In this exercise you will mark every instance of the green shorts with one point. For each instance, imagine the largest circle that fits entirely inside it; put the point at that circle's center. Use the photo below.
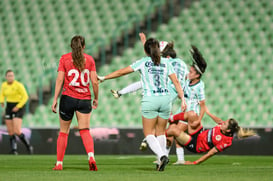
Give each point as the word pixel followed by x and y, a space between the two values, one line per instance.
pixel 153 106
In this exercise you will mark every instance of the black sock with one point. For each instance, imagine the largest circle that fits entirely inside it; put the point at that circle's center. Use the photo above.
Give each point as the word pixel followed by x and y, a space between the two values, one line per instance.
pixel 24 140
pixel 13 143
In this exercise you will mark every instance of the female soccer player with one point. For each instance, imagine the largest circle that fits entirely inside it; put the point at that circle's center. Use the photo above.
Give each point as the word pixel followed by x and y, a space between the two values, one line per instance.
pixel 194 92
pixel 181 70
pixel 156 105
pixel 75 71
pixel 212 140
pixel 16 97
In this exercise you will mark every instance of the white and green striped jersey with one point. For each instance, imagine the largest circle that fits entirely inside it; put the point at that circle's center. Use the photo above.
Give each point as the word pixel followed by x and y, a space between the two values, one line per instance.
pixel 193 95
pixel 181 71
pixel 154 79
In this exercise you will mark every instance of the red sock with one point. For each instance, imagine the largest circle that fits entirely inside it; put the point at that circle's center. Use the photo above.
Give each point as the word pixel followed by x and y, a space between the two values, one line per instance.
pixel 179 116
pixel 61 145
pixel 87 140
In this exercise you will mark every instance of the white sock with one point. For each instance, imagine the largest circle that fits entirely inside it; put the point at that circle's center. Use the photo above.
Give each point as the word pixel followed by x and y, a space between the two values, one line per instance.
pixel 163 142
pixel 180 153
pixel 59 162
pixel 131 88
pixel 155 146
pixel 168 148
pixel 171 117
pixel 91 154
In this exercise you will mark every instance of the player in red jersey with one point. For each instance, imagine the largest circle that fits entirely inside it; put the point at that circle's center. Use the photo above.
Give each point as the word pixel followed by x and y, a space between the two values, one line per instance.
pixel 212 140
pixel 75 71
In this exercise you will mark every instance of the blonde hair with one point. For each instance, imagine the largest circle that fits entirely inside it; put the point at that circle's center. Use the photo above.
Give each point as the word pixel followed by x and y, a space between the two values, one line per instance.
pixel 241 132
pixel 244 133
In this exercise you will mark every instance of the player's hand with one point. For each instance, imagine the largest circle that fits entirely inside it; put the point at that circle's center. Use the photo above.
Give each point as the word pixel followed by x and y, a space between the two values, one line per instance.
pixel 95 104
pixel 142 37
pixel 54 106
pixel 100 78
pixel 15 109
pixel 183 105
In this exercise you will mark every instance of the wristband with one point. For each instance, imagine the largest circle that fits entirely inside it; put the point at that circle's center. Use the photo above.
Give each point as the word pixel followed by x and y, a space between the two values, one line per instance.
pixel 195 163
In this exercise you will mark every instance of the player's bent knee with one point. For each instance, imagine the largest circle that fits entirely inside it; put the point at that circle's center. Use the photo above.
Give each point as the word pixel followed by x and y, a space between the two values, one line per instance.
pixel 183 138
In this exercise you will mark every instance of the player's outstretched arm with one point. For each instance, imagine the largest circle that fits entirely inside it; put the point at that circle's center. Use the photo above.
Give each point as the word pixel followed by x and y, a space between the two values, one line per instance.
pixel 210 153
pixel 215 118
pixel 116 74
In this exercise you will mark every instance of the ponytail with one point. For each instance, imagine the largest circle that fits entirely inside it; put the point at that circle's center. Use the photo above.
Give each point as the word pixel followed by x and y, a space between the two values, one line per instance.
pixel 241 133
pixel 244 133
pixel 151 47
pixel 77 45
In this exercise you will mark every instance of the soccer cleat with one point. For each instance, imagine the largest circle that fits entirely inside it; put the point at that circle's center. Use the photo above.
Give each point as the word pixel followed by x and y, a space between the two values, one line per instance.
pixel 164 161
pixel 92 164
pixel 143 146
pixel 58 167
pixel 115 93
pixel 179 162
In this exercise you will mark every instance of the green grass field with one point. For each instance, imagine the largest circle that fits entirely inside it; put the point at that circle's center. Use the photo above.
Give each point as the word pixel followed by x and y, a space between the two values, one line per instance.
pixel 131 168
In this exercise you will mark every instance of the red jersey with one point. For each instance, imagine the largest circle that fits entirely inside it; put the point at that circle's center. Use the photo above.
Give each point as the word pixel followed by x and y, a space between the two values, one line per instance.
pixel 213 138
pixel 76 83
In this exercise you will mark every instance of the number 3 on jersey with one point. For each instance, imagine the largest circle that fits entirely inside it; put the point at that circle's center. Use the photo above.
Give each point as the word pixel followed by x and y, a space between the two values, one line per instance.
pixel 76 76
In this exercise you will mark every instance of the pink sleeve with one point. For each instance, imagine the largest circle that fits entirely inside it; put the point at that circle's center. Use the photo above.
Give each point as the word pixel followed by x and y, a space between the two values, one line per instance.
pixel 61 65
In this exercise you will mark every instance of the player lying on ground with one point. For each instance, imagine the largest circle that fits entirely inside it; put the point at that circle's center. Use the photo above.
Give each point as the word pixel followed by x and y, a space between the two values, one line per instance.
pixel 213 140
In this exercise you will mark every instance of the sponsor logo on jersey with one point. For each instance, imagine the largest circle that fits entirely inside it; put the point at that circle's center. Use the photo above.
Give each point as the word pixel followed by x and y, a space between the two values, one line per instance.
pixel 160 90
pixel 150 63
pixel 218 137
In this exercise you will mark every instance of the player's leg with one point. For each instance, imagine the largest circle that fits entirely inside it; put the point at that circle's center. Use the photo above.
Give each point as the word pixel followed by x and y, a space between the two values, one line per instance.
pixel 12 138
pixel 143 145
pixel 62 143
pixel 66 113
pixel 179 135
pixel 17 124
pixel 148 130
pixel 179 154
pixel 160 133
pixel 161 137
pixel 179 149
pixel 182 116
pixel 83 114
pixel 130 88
pixel 163 115
pixel 193 123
